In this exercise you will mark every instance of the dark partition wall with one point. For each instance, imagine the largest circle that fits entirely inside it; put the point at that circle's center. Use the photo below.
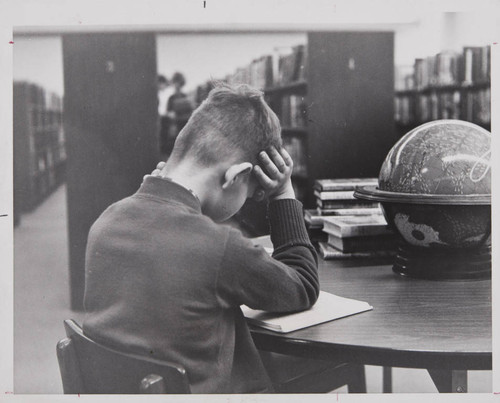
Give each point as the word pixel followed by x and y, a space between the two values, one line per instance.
pixel 110 122
pixel 351 96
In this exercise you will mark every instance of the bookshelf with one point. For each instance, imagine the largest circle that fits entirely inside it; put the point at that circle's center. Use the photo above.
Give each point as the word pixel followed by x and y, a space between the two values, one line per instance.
pixel 39 145
pixel 448 85
pixel 110 120
pixel 334 96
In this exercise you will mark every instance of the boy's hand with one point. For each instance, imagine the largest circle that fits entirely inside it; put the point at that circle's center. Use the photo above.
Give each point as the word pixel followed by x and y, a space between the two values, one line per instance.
pixel 275 178
pixel 156 171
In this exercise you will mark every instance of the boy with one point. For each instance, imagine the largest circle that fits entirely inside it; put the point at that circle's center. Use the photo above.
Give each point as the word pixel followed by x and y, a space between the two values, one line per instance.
pixel 164 279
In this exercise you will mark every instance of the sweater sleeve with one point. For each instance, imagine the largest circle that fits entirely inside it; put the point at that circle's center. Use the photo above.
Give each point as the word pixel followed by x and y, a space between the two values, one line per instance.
pixel 287 281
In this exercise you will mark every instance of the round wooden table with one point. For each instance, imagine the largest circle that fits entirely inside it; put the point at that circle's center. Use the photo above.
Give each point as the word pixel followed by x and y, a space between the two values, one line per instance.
pixel 441 326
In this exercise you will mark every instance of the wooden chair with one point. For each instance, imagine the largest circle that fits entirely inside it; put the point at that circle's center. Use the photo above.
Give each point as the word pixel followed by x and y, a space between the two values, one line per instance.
pixel 88 367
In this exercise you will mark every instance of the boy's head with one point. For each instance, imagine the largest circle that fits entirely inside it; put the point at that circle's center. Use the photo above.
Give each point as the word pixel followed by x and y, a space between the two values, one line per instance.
pixel 226 133
pixel 233 124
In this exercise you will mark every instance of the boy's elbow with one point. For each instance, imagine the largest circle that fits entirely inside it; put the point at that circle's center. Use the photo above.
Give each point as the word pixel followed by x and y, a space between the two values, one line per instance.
pixel 313 295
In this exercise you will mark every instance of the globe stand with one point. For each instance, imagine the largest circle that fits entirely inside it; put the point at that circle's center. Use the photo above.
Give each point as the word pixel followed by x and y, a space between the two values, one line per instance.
pixel 441 264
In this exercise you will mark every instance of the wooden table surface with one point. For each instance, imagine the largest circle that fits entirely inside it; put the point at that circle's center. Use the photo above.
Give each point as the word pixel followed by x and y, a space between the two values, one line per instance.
pixel 444 325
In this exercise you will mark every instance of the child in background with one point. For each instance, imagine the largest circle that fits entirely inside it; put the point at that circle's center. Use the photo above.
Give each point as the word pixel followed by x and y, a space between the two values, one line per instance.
pixel 179 110
pixel 165 279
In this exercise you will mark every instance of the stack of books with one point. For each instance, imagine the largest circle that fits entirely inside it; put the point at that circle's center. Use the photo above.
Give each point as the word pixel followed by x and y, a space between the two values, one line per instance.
pixel 314 225
pixel 336 196
pixel 357 236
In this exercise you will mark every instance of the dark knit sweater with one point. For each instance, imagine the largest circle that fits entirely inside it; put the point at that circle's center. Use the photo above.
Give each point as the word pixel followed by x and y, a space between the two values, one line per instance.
pixel 164 280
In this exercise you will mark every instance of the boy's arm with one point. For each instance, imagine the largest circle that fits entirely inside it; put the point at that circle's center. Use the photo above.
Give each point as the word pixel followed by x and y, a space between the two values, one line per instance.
pixel 289 280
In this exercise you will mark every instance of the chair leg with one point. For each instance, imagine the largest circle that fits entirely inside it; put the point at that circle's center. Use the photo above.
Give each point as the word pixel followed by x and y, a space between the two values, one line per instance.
pixel 387 380
pixel 449 381
pixel 357 381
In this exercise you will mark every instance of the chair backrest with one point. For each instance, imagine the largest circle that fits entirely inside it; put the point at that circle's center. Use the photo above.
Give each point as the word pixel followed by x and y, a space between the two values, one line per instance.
pixel 89 367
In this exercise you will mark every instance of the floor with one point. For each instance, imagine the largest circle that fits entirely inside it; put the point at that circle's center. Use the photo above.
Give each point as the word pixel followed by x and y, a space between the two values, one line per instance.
pixel 41 303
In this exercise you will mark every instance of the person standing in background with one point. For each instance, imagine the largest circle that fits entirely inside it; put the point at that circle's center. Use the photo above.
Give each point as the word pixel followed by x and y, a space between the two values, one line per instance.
pixel 179 109
pixel 164 93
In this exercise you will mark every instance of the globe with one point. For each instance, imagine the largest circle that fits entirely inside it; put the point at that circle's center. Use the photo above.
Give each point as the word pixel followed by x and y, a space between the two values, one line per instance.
pixel 435 191
pixel 446 157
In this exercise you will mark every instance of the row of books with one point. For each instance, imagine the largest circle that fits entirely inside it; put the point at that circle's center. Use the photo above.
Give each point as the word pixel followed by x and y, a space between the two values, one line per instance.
pixel 258 74
pixel 45 118
pixel 285 66
pixel 293 111
pixel 345 227
pixel 39 143
pixel 39 96
pixel 470 66
pixel 291 66
pixel 470 105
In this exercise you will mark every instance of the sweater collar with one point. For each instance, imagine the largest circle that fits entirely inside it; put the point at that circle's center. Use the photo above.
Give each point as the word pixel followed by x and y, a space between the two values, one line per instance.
pixel 169 190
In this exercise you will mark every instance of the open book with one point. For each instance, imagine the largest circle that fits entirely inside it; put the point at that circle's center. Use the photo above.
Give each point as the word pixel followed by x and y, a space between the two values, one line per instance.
pixel 328 307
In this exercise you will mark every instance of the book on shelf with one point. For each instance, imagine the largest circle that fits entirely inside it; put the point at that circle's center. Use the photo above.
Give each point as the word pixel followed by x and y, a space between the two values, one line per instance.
pixel 344 204
pixel 470 66
pixel 290 65
pixel 363 243
pixel 328 307
pixel 350 226
pixel 476 62
pixel 328 252
pixel 293 111
pixel 335 195
pixel 325 185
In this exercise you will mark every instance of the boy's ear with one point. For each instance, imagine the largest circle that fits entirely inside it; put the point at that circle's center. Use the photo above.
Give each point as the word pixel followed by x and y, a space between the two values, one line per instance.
pixel 235 172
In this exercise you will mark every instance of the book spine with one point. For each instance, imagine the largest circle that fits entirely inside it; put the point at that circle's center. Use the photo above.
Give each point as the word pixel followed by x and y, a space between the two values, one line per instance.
pixel 343 204
pixel 340 195
pixel 328 186
pixel 352 211
pixel 354 231
pixel 329 253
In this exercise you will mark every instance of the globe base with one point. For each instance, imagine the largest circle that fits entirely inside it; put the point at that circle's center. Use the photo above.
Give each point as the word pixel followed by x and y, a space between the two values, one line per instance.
pixel 443 264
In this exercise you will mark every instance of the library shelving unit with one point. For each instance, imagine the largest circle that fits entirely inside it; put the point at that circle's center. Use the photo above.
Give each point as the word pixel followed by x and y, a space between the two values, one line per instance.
pixel 39 145
pixel 110 121
pixel 449 85
pixel 334 96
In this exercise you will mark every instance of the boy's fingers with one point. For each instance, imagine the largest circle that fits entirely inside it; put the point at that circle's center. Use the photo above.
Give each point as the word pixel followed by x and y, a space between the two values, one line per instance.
pixel 277 159
pixel 263 179
pixel 269 164
pixel 286 157
pixel 156 172
pixel 160 165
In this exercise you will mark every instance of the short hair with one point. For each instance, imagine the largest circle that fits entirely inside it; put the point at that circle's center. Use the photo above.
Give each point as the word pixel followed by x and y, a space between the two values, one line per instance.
pixel 162 80
pixel 233 122
pixel 179 78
